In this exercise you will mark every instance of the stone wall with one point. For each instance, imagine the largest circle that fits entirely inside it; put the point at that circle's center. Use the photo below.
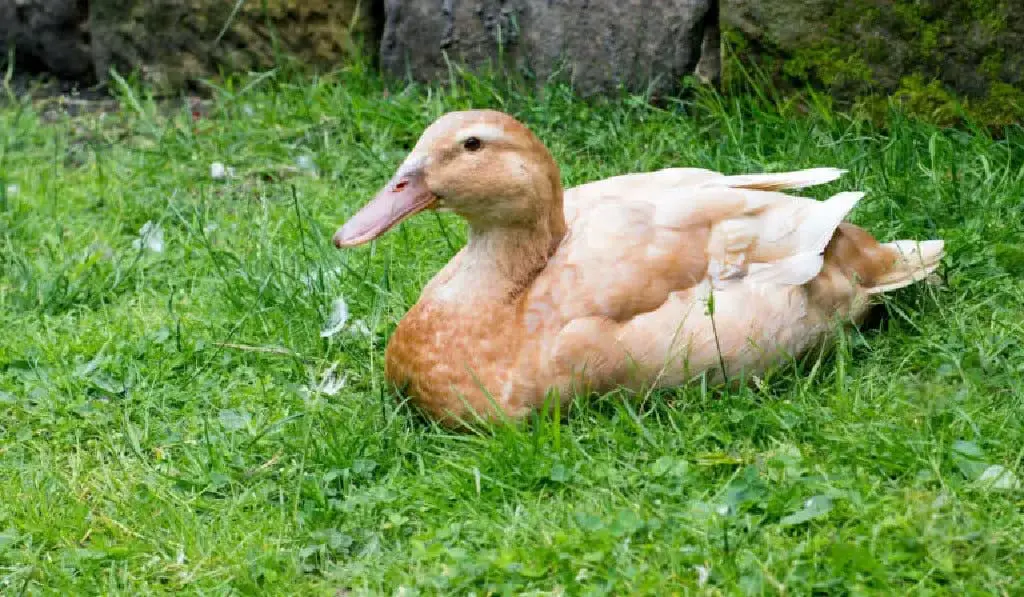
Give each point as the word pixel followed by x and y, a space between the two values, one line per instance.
pixel 598 45
pixel 934 56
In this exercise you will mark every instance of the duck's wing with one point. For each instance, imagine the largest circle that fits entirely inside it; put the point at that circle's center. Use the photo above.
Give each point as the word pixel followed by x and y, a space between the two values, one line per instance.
pixel 634 240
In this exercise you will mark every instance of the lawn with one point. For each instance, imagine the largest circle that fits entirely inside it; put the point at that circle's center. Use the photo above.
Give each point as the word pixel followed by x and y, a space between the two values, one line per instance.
pixel 174 421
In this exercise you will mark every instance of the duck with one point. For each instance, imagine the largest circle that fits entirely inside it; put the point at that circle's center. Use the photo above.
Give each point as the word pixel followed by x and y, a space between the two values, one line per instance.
pixel 640 281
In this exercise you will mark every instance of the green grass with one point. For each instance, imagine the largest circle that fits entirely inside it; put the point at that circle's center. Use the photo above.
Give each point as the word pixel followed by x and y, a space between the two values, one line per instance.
pixel 147 446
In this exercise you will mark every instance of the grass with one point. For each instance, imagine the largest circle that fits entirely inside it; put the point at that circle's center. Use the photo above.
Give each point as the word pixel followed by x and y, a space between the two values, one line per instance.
pixel 163 428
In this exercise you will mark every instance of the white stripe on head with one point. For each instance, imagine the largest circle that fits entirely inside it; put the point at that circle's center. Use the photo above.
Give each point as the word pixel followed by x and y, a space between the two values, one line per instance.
pixel 484 132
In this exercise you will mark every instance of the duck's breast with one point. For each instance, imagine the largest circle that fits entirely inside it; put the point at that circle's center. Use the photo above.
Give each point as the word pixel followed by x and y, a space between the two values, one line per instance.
pixel 446 359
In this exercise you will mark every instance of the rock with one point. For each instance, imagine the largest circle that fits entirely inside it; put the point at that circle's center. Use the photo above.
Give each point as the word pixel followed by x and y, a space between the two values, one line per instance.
pixel 929 54
pixel 177 42
pixel 598 44
pixel 47 36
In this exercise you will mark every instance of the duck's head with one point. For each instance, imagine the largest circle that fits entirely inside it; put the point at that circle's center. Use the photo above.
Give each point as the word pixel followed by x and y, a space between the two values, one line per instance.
pixel 483 165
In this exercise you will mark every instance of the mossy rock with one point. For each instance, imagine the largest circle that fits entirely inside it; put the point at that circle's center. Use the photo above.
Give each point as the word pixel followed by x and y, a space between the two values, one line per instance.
pixel 174 43
pixel 941 60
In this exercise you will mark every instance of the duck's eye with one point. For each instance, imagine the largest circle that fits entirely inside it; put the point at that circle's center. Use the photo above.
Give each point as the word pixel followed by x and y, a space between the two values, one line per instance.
pixel 472 144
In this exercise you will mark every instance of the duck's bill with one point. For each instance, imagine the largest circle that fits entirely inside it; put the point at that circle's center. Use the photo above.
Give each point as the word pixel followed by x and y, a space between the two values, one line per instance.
pixel 405 195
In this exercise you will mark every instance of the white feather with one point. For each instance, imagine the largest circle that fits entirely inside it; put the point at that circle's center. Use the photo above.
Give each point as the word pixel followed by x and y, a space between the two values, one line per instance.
pixel 780 180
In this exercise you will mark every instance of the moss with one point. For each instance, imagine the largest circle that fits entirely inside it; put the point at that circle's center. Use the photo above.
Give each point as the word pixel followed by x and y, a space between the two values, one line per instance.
pixel 941 61
pixel 1003 105
pixel 992 65
pixel 929 99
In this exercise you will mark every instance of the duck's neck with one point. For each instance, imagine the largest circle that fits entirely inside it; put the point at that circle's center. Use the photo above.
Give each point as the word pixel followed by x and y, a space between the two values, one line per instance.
pixel 504 262
pixel 499 263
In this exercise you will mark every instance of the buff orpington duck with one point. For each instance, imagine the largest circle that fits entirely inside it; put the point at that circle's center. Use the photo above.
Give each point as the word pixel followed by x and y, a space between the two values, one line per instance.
pixel 640 281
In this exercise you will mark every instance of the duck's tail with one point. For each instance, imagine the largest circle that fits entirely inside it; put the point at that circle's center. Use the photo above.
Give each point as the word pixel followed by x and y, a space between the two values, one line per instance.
pixel 823 245
pixel 914 261
pixel 881 267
